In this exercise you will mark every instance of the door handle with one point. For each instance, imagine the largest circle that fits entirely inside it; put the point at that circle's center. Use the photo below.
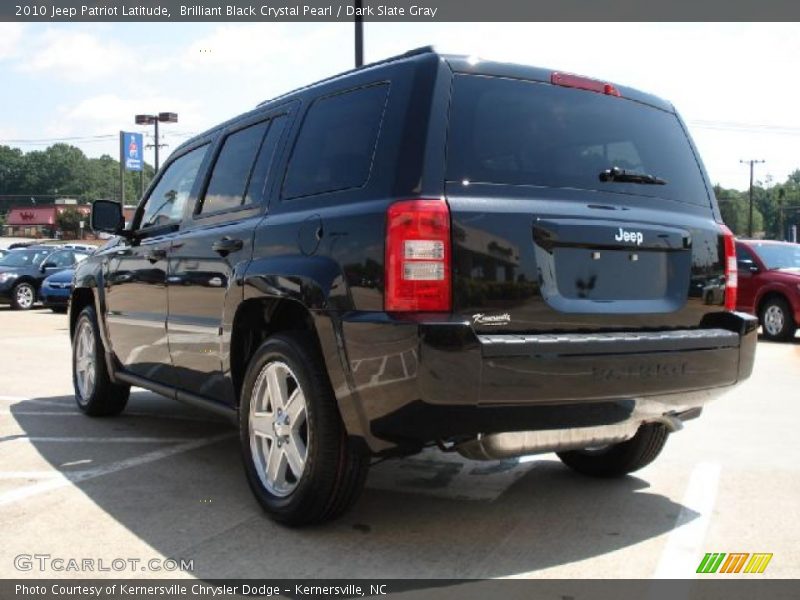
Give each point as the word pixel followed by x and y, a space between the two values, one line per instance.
pixel 156 254
pixel 226 245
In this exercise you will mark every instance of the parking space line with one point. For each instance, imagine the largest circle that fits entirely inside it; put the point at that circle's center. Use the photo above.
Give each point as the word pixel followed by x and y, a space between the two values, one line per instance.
pixel 30 474
pixel 41 413
pixel 76 413
pixel 66 479
pixel 11 400
pixel 683 549
pixel 95 440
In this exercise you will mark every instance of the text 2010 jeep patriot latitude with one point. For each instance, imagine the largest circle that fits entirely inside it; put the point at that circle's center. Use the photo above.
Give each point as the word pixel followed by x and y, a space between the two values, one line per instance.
pixel 501 260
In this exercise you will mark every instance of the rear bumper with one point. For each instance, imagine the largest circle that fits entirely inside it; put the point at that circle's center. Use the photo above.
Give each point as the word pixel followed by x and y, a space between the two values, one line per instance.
pixel 413 381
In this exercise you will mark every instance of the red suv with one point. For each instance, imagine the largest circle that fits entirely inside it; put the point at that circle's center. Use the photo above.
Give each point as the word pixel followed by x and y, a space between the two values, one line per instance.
pixel 769 285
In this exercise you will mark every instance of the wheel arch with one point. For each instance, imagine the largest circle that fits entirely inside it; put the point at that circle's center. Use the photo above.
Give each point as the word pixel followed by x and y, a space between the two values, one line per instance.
pixel 258 318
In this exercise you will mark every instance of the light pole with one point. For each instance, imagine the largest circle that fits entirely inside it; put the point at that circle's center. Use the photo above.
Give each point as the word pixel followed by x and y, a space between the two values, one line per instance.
pixel 164 117
pixel 751 162
pixel 359 39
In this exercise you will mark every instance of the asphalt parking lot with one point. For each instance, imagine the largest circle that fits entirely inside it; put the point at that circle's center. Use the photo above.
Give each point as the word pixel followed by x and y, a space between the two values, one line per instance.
pixel 164 480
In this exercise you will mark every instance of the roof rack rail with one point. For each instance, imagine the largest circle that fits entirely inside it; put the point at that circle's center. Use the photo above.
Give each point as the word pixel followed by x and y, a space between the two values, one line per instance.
pixel 410 53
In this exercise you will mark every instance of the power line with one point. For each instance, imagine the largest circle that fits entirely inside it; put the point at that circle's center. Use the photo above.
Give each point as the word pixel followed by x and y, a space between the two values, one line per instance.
pixel 63 139
pixel 82 139
pixel 741 127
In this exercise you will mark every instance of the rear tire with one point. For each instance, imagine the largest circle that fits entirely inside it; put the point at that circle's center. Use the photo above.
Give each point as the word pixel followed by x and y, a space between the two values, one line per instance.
pixel 23 296
pixel 95 393
pixel 319 471
pixel 777 321
pixel 620 459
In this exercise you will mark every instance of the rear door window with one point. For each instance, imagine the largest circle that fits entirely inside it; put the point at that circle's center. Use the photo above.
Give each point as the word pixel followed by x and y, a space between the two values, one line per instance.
pixel 520 132
pixel 61 259
pixel 231 173
pixel 256 189
pixel 336 144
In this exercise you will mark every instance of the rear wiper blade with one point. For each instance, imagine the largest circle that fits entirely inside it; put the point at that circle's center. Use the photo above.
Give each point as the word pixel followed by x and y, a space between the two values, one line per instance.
pixel 623 176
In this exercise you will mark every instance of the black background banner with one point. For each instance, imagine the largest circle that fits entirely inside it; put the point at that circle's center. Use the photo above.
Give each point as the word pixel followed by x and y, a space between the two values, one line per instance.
pixel 746 587
pixel 400 10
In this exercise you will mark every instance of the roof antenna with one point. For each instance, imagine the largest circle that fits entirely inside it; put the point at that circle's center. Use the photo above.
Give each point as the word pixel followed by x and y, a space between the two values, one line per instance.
pixel 359 22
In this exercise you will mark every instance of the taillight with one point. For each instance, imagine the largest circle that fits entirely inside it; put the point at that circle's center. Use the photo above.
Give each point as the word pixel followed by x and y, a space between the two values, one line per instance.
pixel 418 256
pixel 584 83
pixel 731 269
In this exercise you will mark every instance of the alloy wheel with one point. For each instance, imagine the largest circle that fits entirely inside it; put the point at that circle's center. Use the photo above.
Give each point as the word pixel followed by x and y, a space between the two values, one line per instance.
pixel 774 320
pixel 24 296
pixel 279 435
pixel 85 368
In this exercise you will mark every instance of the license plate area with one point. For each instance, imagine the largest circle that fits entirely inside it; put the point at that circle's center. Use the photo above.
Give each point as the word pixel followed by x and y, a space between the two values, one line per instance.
pixel 608 275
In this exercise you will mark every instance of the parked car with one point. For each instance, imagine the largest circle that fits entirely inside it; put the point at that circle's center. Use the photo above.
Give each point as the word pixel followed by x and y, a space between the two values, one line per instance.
pixel 491 258
pixel 55 290
pixel 22 271
pixel 769 285
pixel 88 248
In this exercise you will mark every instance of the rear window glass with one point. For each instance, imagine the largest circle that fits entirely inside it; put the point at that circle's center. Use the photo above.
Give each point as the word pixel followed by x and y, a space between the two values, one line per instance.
pixel 527 133
pixel 336 143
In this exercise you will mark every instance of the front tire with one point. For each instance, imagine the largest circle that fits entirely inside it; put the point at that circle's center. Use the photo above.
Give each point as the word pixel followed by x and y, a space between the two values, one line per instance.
pixel 299 461
pixel 777 321
pixel 620 459
pixel 95 393
pixel 23 296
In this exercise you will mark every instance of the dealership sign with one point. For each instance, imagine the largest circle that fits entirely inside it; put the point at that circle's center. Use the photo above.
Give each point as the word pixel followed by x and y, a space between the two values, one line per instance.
pixel 132 149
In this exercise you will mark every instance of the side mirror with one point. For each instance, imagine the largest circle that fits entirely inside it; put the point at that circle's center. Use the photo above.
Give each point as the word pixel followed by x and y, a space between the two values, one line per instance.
pixel 48 265
pixel 754 269
pixel 107 217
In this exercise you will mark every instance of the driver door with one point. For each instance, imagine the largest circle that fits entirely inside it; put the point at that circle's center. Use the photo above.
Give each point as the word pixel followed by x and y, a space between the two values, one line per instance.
pixel 136 273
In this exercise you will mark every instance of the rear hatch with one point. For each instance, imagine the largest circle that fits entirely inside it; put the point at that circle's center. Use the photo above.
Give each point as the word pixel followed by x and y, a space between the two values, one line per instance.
pixel 576 210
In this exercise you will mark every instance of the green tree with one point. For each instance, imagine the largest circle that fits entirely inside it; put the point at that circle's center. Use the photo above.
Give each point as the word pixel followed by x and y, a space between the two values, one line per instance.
pixel 69 221
pixel 11 169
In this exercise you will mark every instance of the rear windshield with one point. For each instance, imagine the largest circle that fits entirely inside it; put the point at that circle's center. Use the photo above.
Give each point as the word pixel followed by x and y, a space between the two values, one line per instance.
pixel 519 132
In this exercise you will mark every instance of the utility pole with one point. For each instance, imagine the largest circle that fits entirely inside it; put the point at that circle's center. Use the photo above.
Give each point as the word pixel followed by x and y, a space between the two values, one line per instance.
pixel 751 162
pixel 359 21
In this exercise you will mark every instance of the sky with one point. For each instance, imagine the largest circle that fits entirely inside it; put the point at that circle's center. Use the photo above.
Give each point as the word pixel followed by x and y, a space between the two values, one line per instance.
pixel 736 85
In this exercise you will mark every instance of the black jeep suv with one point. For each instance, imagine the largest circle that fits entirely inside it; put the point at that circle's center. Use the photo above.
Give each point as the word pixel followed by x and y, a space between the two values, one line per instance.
pixel 493 258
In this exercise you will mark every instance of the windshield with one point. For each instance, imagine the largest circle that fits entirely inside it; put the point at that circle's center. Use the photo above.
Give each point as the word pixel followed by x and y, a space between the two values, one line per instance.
pixel 520 132
pixel 779 256
pixel 24 258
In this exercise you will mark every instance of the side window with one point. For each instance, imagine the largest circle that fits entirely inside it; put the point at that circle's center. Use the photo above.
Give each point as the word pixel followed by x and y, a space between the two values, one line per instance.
pixel 61 259
pixel 743 259
pixel 167 201
pixel 258 178
pixel 232 169
pixel 336 143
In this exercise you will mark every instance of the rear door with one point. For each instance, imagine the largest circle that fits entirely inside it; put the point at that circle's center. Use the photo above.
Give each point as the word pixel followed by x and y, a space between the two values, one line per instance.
pixel 541 242
pixel 212 250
